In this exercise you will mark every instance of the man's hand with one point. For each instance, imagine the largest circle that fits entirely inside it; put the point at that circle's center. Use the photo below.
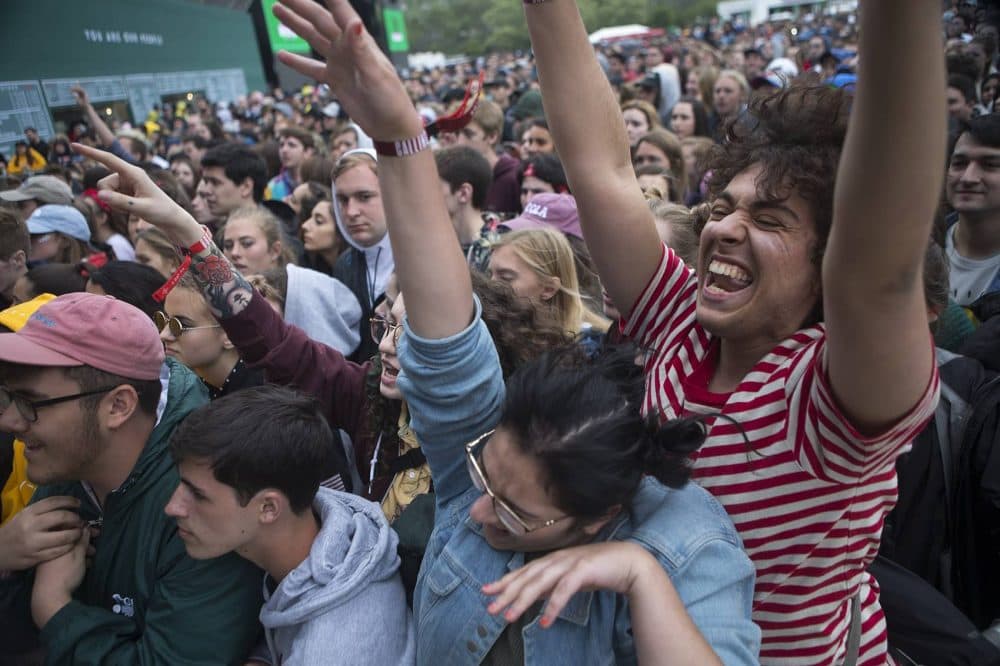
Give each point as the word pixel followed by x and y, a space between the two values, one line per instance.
pixel 81 96
pixel 56 580
pixel 40 532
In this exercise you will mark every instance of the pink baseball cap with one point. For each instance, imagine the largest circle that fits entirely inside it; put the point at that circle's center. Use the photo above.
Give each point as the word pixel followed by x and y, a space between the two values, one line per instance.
pixel 556 211
pixel 86 329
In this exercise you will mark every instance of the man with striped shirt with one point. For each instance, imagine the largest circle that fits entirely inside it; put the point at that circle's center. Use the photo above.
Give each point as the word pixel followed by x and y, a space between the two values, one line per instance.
pixel 803 320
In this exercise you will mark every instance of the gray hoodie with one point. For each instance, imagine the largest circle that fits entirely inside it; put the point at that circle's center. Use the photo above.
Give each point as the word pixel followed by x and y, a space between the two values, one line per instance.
pixel 324 308
pixel 345 603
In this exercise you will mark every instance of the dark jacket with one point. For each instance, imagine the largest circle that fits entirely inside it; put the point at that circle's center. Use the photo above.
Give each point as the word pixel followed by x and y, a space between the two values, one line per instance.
pixel 352 270
pixel 347 391
pixel 946 524
pixel 143 600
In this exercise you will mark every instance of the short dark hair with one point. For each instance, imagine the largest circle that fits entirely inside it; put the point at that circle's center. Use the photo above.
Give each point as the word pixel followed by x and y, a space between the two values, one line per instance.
pixel 239 163
pixel 581 420
pixel 56 278
pixel 199 141
pixel 261 437
pixel 796 135
pixel 546 167
pixel 92 379
pixel 984 130
pixel 131 282
pixel 461 164
pixel 14 234
pixel 964 85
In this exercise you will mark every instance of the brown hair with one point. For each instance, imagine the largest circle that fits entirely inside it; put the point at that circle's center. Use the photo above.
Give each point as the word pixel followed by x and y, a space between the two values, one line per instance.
pixel 683 239
pixel 269 225
pixel 159 243
pixel 489 116
pixel 14 234
pixel 307 139
pixel 646 109
pixel 668 143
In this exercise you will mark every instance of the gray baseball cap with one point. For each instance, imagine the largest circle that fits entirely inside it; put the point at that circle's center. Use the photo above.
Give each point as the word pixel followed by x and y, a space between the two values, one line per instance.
pixel 45 189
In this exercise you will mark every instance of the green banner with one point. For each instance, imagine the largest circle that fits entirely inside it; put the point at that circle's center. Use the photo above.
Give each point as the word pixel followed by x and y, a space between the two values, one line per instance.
pixel 281 36
pixel 395 30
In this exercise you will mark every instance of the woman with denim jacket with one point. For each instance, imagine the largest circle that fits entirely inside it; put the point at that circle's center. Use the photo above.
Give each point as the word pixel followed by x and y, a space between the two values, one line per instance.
pixel 636 571
pixel 540 488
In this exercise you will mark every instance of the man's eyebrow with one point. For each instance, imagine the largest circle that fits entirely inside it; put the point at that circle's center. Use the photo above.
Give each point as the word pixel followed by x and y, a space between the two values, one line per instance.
pixel 774 204
pixel 192 487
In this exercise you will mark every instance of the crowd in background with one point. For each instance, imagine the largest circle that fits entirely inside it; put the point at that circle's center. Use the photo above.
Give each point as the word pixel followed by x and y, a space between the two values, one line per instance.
pixel 252 237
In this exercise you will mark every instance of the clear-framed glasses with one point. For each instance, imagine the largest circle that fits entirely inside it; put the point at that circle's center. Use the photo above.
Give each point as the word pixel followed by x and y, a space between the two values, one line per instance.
pixel 28 409
pixel 380 326
pixel 177 329
pixel 508 516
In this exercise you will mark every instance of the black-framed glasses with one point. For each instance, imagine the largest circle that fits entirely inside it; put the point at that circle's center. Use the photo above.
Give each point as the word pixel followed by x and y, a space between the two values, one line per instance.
pixel 380 326
pixel 177 329
pixel 28 409
pixel 508 516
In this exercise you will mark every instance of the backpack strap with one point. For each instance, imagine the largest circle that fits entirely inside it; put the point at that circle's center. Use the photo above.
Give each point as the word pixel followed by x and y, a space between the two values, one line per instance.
pixel 854 635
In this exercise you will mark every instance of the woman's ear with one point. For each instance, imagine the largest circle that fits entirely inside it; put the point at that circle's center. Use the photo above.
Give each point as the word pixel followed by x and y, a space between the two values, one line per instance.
pixel 275 250
pixel 595 526
pixel 551 288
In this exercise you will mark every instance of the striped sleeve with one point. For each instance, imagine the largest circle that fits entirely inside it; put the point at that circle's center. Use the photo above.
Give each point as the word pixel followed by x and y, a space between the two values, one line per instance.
pixel 665 306
pixel 827 444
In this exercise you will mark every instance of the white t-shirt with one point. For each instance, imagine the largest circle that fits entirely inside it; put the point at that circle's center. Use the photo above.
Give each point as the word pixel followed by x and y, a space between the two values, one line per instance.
pixel 123 249
pixel 968 278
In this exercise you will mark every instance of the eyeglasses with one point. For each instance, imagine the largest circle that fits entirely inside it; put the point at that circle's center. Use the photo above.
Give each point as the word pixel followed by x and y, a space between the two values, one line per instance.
pixel 508 516
pixel 28 409
pixel 177 329
pixel 380 326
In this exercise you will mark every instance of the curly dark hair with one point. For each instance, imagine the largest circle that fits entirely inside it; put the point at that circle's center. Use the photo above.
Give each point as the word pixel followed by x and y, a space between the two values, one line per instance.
pixel 796 135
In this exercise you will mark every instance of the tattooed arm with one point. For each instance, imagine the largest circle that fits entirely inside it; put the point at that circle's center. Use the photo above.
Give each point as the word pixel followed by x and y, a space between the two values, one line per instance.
pixel 130 189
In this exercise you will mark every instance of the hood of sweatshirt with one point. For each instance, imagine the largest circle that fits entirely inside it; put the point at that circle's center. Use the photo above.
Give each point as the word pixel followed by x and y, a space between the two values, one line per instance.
pixel 379 262
pixel 670 87
pixel 324 307
pixel 355 548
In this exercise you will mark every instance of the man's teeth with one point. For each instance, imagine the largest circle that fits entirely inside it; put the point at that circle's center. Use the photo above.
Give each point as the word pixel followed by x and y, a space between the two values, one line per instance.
pixel 728 270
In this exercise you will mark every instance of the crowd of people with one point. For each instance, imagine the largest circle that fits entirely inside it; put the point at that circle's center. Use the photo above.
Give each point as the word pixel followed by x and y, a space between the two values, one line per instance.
pixel 674 351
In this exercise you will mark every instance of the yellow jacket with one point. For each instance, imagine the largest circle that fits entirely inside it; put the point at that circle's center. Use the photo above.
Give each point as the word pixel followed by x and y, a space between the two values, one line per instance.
pixel 17 490
pixel 32 162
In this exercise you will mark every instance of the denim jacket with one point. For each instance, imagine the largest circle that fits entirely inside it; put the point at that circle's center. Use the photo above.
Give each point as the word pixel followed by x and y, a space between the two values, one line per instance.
pixel 455 391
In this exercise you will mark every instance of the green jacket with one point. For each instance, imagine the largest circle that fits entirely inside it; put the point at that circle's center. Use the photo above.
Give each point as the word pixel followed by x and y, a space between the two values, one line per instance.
pixel 143 600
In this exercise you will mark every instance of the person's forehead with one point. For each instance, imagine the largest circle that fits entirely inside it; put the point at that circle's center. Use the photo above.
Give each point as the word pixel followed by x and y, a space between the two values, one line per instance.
pixel 968 146
pixel 239 227
pixel 33 378
pixel 182 302
pixel 356 179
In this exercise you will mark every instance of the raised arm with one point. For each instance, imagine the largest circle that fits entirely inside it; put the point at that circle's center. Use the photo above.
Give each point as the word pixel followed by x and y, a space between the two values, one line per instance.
pixel 432 272
pixel 879 353
pixel 589 134
pixel 104 133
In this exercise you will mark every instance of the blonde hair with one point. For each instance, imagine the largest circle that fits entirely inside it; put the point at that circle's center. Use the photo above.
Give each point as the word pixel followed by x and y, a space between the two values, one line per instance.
pixel 548 254
pixel 269 225
pixel 348 162
pixel 683 238
pixel 668 144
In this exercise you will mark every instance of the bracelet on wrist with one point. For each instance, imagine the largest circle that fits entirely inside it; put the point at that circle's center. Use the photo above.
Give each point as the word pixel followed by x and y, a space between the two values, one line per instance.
pixel 453 122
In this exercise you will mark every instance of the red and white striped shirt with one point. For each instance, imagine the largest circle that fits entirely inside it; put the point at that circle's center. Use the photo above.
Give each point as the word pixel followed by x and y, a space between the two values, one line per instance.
pixel 810 493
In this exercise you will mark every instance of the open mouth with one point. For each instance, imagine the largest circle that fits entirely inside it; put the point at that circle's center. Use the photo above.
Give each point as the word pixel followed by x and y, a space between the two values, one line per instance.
pixel 726 278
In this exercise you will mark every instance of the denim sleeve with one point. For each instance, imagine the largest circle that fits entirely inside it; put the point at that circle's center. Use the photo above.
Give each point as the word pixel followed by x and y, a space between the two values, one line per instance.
pixel 716 585
pixel 454 390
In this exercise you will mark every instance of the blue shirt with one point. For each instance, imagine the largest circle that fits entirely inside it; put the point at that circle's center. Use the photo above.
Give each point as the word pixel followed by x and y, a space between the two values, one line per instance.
pixel 454 389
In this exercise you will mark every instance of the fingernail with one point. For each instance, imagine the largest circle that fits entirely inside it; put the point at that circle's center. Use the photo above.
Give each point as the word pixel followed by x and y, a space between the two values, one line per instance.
pixel 510 615
pixel 492 608
pixel 546 622
pixel 358 29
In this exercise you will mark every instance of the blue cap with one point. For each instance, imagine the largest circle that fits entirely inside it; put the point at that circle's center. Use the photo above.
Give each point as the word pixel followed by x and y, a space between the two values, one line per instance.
pixel 59 218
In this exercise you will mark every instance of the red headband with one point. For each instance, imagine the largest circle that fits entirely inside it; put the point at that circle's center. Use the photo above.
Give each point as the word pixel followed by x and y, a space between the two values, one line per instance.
pixel 92 194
